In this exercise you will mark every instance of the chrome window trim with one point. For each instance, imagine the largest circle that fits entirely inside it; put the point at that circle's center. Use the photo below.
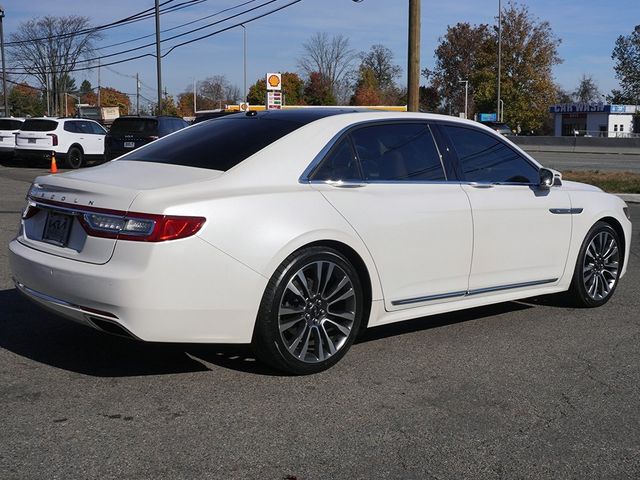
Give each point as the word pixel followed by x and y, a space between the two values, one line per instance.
pixel 468 293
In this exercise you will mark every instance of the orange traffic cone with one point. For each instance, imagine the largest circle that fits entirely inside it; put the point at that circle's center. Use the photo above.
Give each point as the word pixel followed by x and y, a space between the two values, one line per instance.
pixel 54 166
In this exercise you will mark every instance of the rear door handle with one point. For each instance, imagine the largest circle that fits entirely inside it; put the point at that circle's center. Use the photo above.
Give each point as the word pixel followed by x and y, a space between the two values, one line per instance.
pixel 482 185
pixel 341 184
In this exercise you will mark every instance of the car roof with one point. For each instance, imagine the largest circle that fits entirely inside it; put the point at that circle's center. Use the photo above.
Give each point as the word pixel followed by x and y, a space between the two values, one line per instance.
pixel 303 115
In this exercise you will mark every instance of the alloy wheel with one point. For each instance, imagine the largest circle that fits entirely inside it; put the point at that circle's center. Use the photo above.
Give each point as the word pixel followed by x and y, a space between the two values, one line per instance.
pixel 317 311
pixel 600 266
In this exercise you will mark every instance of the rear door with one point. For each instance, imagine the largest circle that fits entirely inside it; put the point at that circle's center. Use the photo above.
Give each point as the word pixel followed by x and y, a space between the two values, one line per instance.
pixel 389 182
pixel 521 232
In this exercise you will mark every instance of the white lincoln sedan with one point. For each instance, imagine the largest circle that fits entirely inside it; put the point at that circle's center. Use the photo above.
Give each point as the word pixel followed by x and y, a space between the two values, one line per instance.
pixel 293 230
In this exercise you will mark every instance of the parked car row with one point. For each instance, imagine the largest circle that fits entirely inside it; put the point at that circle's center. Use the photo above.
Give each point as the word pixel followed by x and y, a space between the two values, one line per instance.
pixel 77 140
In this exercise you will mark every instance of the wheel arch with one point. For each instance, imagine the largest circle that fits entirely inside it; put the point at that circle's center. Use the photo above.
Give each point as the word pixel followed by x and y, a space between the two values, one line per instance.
pixel 361 268
pixel 75 145
pixel 617 226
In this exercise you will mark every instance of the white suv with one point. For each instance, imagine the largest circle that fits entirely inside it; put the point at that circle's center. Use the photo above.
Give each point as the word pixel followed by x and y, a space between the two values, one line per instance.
pixel 8 128
pixel 74 140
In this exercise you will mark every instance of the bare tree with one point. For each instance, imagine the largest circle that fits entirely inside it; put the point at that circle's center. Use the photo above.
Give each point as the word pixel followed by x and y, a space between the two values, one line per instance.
pixel 218 90
pixel 49 49
pixel 330 57
pixel 587 90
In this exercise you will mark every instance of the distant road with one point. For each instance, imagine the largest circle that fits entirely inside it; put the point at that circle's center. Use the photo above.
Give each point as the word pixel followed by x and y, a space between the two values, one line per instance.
pixel 588 161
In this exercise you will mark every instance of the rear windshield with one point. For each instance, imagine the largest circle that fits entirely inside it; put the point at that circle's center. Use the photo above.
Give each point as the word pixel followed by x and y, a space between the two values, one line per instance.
pixel 218 144
pixel 140 126
pixel 33 125
pixel 6 124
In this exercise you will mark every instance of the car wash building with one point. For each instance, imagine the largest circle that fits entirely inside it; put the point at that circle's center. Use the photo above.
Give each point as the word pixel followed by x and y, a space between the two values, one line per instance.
pixel 593 119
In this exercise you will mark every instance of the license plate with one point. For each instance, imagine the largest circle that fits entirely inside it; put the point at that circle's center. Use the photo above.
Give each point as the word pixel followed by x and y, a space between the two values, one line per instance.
pixel 129 144
pixel 57 228
pixel 32 140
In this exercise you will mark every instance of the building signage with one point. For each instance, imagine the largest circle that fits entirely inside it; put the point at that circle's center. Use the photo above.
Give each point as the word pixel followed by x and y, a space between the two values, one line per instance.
pixel 488 117
pixel 579 107
pixel 274 81
pixel 274 100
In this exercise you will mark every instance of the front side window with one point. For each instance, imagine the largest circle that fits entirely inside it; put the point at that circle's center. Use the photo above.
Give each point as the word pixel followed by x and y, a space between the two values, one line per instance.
pixel 340 165
pixel 486 158
pixel 398 152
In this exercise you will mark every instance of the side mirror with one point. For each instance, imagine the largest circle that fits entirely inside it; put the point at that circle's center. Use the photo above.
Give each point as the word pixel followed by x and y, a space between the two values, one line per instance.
pixel 547 178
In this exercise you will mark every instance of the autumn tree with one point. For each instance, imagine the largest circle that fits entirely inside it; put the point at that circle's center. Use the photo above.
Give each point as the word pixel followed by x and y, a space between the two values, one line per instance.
pixel 49 48
pixel 626 56
pixel 367 89
pixel 587 90
pixel 26 101
pixel 317 90
pixel 529 52
pixel 464 53
pixel 292 88
pixel 375 84
pixel 109 97
pixel 332 58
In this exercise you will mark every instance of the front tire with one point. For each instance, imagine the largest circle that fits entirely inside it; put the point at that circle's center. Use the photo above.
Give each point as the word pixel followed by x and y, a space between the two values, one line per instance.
pixel 75 158
pixel 310 312
pixel 598 267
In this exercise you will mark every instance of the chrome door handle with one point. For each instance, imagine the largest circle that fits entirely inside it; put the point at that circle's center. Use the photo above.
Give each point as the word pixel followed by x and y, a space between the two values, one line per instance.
pixel 482 185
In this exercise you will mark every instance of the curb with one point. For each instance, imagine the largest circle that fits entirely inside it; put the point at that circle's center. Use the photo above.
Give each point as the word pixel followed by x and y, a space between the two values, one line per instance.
pixel 629 197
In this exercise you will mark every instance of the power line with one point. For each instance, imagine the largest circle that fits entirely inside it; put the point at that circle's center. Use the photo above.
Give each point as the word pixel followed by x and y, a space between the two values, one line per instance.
pixel 134 49
pixel 178 26
pixel 122 21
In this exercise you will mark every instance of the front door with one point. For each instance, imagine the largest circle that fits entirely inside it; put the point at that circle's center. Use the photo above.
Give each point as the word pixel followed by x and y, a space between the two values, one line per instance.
pixel 521 232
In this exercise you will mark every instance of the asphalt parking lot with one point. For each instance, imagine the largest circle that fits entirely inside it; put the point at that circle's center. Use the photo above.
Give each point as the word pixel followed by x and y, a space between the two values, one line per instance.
pixel 527 389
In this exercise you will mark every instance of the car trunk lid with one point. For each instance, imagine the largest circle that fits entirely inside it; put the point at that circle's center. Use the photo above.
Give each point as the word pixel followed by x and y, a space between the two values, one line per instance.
pixel 52 222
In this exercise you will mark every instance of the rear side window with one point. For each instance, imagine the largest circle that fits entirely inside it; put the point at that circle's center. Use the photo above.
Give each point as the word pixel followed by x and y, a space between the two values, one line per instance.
pixel 71 127
pixel 134 126
pixel 217 145
pixel 33 125
pixel 398 152
pixel 7 124
pixel 340 165
pixel 486 158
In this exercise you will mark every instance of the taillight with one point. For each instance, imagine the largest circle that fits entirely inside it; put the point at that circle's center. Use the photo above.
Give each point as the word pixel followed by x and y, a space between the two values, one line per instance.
pixel 54 139
pixel 142 227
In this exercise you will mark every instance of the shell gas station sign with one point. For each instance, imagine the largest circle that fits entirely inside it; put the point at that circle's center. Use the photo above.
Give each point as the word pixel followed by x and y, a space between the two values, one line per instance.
pixel 274 91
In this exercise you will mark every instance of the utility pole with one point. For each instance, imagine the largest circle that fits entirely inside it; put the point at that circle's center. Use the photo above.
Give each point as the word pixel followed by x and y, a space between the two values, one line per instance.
pixel 99 82
pixel 46 78
pixel 137 95
pixel 158 58
pixel 500 119
pixel 195 107
pixel 413 68
pixel 4 71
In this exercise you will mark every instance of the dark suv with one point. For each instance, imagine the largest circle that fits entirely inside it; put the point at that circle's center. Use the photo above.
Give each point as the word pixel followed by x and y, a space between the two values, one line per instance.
pixel 129 133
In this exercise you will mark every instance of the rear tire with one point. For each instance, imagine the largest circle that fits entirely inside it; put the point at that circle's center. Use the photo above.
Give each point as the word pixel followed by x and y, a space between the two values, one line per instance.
pixel 75 158
pixel 597 270
pixel 310 313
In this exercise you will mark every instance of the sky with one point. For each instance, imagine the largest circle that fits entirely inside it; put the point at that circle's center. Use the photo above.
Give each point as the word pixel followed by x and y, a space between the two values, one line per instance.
pixel 587 29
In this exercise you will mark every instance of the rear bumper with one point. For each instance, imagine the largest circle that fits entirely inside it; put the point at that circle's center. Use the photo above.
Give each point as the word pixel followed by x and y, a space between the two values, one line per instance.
pixel 181 291
pixel 37 154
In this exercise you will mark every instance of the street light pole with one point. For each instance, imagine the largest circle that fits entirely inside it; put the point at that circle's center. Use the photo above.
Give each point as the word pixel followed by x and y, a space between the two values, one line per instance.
pixel 244 92
pixel 4 71
pixel 500 119
pixel 466 97
pixel 158 58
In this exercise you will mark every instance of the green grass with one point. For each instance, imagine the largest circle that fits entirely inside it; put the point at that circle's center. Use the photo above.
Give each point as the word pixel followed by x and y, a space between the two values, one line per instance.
pixel 609 181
